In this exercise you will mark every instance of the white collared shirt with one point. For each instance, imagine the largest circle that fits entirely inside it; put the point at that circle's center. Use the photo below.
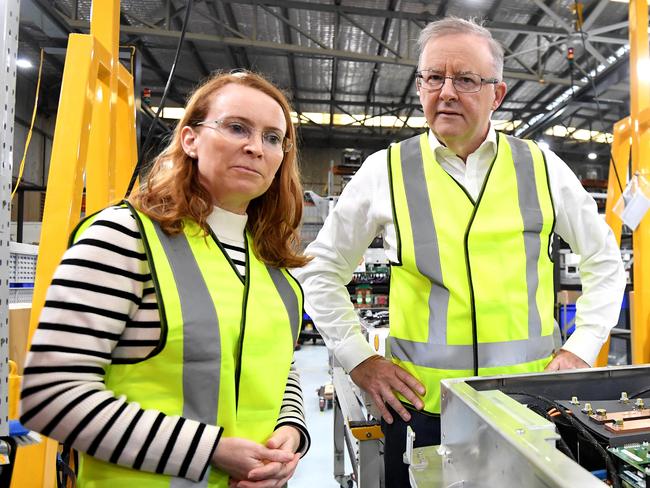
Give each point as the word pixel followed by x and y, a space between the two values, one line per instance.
pixel 364 210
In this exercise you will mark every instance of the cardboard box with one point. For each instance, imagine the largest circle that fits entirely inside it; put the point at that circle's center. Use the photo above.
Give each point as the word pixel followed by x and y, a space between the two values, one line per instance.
pixel 566 297
pixel 18 331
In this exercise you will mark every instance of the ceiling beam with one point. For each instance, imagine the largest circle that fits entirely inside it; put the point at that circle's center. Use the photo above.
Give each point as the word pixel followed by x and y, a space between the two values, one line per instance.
pixel 421 17
pixel 241 55
pixel 49 10
pixel 593 14
pixel 563 109
pixel 381 41
pixel 230 52
pixel 551 92
pixel 154 65
pixel 609 28
pixel 291 62
pixel 408 87
pixel 343 9
pixel 381 105
pixel 392 5
pixel 198 59
pixel 568 29
pixel 609 40
pixel 539 66
pixel 282 48
pixel 336 44
pixel 287 21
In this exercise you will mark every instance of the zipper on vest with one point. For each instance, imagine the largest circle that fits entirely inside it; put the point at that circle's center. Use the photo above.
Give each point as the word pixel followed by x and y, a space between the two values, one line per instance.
pixel 242 325
pixel 468 264
pixel 472 304
pixel 227 256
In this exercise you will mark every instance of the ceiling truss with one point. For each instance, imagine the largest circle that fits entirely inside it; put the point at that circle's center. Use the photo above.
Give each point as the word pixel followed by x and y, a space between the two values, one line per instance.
pixel 349 45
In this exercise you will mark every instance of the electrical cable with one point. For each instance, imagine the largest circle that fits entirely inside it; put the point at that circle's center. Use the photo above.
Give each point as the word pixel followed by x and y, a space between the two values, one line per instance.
pixel 601 119
pixel 639 393
pixel 66 474
pixel 561 443
pixel 163 100
pixel 609 463
pixel 31 126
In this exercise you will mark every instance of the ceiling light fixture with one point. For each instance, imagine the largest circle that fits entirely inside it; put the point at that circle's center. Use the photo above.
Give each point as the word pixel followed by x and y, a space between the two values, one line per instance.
pixel 24 63
pixel 592 155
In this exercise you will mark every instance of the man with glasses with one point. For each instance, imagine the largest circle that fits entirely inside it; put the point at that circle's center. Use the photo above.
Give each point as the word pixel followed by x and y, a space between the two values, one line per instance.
pixel 467 217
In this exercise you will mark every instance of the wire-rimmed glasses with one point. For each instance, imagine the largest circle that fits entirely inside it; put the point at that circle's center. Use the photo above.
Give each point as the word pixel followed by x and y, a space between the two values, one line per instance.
pixel 238 130
pixel 432 80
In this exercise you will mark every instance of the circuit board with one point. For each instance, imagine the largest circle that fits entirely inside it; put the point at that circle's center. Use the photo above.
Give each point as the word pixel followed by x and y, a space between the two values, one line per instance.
pixel 634 468
pixel 624 426
pixel 633 431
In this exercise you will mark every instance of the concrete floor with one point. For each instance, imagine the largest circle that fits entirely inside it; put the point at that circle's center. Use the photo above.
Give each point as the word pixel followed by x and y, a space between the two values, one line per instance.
pixel 315 470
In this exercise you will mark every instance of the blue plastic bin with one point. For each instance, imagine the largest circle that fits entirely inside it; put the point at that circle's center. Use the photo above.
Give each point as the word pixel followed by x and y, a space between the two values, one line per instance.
pixel 567 319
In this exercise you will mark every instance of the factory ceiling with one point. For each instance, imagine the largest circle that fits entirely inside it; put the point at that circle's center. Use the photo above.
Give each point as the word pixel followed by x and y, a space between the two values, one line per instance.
pixel 347 63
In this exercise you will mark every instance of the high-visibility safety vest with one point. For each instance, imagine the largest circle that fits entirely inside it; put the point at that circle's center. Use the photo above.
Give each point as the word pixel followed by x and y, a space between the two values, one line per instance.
pixel 225 351
pixel 472 291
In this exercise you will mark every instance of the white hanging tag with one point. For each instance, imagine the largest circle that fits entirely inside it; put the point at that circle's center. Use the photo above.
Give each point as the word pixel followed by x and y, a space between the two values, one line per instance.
pixel 634 202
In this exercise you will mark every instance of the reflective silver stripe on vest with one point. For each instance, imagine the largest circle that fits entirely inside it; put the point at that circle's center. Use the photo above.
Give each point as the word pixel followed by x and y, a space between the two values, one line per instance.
pixel 454 357
pixel 531 214
pixel 436 353
pixel 289 299
pixel 425 240
pixel 201 339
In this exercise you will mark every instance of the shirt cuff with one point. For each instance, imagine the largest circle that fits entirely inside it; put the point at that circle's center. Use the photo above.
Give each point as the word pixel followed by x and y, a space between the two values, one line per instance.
pixel 353 351
pixel 585 343
pixel 214 432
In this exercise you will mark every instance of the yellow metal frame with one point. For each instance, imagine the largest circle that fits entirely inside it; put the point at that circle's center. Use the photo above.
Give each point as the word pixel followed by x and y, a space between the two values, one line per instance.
pixel 634 132
pixel 94 137
pixel 367 432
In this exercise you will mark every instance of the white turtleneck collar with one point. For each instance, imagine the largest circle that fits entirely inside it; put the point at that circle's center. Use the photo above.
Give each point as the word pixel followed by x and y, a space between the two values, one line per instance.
pixel 227 226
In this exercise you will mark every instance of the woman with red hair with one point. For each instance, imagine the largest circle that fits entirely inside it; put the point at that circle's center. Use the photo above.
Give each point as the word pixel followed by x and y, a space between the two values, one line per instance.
pixel 164 350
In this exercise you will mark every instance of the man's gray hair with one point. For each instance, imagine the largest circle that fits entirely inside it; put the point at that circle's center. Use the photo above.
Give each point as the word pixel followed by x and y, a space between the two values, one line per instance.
pixel 456 25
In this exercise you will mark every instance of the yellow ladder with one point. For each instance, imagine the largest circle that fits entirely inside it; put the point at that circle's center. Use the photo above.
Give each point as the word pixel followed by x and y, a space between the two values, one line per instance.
pixel 94 135
pixel 634 132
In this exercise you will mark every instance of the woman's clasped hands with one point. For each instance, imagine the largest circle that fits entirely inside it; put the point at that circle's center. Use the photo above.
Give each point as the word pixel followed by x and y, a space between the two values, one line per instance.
pixel 253 465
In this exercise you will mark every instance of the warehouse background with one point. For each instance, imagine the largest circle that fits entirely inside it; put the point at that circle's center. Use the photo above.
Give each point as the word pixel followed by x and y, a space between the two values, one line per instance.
pixel 348 67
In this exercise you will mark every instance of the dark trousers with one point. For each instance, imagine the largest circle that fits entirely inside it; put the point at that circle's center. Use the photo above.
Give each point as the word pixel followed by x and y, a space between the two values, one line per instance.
pixel 427 432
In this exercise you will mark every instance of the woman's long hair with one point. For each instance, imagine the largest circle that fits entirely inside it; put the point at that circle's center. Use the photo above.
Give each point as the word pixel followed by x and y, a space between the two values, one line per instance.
pixel 172 192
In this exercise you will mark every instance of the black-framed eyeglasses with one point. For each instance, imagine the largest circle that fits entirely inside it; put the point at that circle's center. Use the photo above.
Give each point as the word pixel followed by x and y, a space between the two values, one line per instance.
pixel 238 130
pixel 431 80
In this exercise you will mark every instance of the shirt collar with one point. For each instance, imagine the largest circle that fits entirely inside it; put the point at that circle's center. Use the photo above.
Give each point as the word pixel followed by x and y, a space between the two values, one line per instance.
pixel 489 144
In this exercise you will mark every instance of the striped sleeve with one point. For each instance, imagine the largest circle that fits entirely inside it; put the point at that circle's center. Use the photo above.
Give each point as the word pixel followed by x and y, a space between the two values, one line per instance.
pixel 292 411
pixel 101 309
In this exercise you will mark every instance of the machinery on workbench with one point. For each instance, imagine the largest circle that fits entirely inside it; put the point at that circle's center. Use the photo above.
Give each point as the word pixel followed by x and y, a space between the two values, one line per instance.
pixel 357 436
pixel 621 426
pixel 357 432
pixel 579 428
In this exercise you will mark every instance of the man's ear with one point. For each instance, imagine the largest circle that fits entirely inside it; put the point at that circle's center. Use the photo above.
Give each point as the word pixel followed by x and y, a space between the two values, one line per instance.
pixel 500 90
pixel 189 141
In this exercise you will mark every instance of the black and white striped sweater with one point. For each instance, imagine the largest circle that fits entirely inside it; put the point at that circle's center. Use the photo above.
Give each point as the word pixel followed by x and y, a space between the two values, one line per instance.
pixel 102 309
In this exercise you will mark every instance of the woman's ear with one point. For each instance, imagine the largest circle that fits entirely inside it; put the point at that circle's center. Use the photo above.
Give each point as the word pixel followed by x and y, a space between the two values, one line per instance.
pixel 189 141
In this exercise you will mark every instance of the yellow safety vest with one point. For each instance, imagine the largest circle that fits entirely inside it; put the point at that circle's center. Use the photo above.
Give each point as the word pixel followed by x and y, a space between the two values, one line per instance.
pixel 225 351
pixel 472 291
